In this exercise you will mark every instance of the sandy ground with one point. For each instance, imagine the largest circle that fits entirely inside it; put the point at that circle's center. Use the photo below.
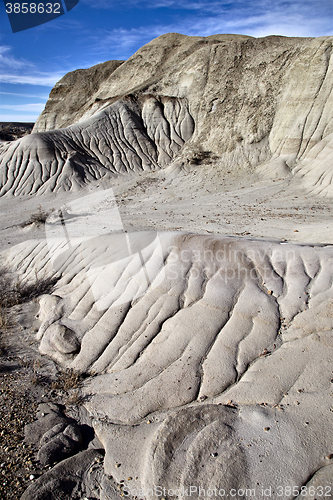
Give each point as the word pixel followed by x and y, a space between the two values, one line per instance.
pixel 277 210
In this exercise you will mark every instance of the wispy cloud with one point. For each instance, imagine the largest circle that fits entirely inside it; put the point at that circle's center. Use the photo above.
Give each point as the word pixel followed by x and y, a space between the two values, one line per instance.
pixel 216 7
pixel 9 61
pixel 155 4
pixel 298 19
pixel 33 78
pixel 21 71
pixel 26 95
pixel 29 108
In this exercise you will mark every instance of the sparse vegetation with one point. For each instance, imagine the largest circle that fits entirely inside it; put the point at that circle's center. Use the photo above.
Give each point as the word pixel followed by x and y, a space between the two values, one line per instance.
pixel 38 218
pixel 200 157
pixel 14 291
pixel 74 398
pixel 10 131
pixel 4 320
pixel 68 379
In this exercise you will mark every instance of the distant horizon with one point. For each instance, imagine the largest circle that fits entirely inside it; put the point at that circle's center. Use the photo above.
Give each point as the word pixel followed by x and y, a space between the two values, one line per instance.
pixel 95 31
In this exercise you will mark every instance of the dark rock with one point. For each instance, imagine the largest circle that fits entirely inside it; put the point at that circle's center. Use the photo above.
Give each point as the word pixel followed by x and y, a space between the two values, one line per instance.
pixel 56 435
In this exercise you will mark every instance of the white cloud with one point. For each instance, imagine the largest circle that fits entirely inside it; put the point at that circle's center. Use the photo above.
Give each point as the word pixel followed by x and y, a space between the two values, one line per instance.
pixel 14 70
pixel 156 4
pixel 33 78
pixel 304 18
pixel 289 21
pixel 44 97
pixel 234 7
pixel 7 60
pixel 32 107
pixel 124 42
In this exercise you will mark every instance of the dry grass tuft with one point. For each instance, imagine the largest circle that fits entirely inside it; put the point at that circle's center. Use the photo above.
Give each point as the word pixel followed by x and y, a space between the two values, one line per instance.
pixel 67 380
pixel 17 291
pixel 14 291
pixel 39 218
pixel 74 398
pixel 4 319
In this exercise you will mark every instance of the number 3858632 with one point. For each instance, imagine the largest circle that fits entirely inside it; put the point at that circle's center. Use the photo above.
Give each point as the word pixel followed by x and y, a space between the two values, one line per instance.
pixel 33 8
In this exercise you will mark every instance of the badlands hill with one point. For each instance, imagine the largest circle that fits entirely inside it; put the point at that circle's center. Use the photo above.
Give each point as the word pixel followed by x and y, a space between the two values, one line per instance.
pixel 242 101
pixel 206 356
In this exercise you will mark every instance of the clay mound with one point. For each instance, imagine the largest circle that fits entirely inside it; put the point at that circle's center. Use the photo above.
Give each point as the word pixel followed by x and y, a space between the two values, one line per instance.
pixel 241 101
pixel 131 135
pixel 316 170
pixel 213 341
pixel 220 302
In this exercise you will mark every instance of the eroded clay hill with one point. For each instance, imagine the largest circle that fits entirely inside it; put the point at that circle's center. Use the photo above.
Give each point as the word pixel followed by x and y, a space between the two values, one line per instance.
pixel 206 360
pixel 247 102
pixel 209 358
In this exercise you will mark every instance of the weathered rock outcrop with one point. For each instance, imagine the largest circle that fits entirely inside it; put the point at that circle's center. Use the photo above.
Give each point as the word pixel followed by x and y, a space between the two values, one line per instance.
pixel 133 134
pixel 247 101
pixel 206 360
pixel 55 435
pixel 73 95
pixel 205 351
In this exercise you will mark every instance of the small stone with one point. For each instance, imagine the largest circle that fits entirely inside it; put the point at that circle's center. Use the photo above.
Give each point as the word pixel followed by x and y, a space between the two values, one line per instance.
pixel 31 477
pixel 215 454
pixel 266 429
pixel 118 465
pixel 330 456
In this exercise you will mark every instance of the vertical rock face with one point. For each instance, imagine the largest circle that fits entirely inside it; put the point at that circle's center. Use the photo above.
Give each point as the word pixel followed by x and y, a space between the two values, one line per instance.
pixel 250 102
pixel 73 95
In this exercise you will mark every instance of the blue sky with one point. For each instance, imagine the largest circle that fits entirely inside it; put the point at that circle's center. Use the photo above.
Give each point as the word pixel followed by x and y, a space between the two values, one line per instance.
pixel 32 61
